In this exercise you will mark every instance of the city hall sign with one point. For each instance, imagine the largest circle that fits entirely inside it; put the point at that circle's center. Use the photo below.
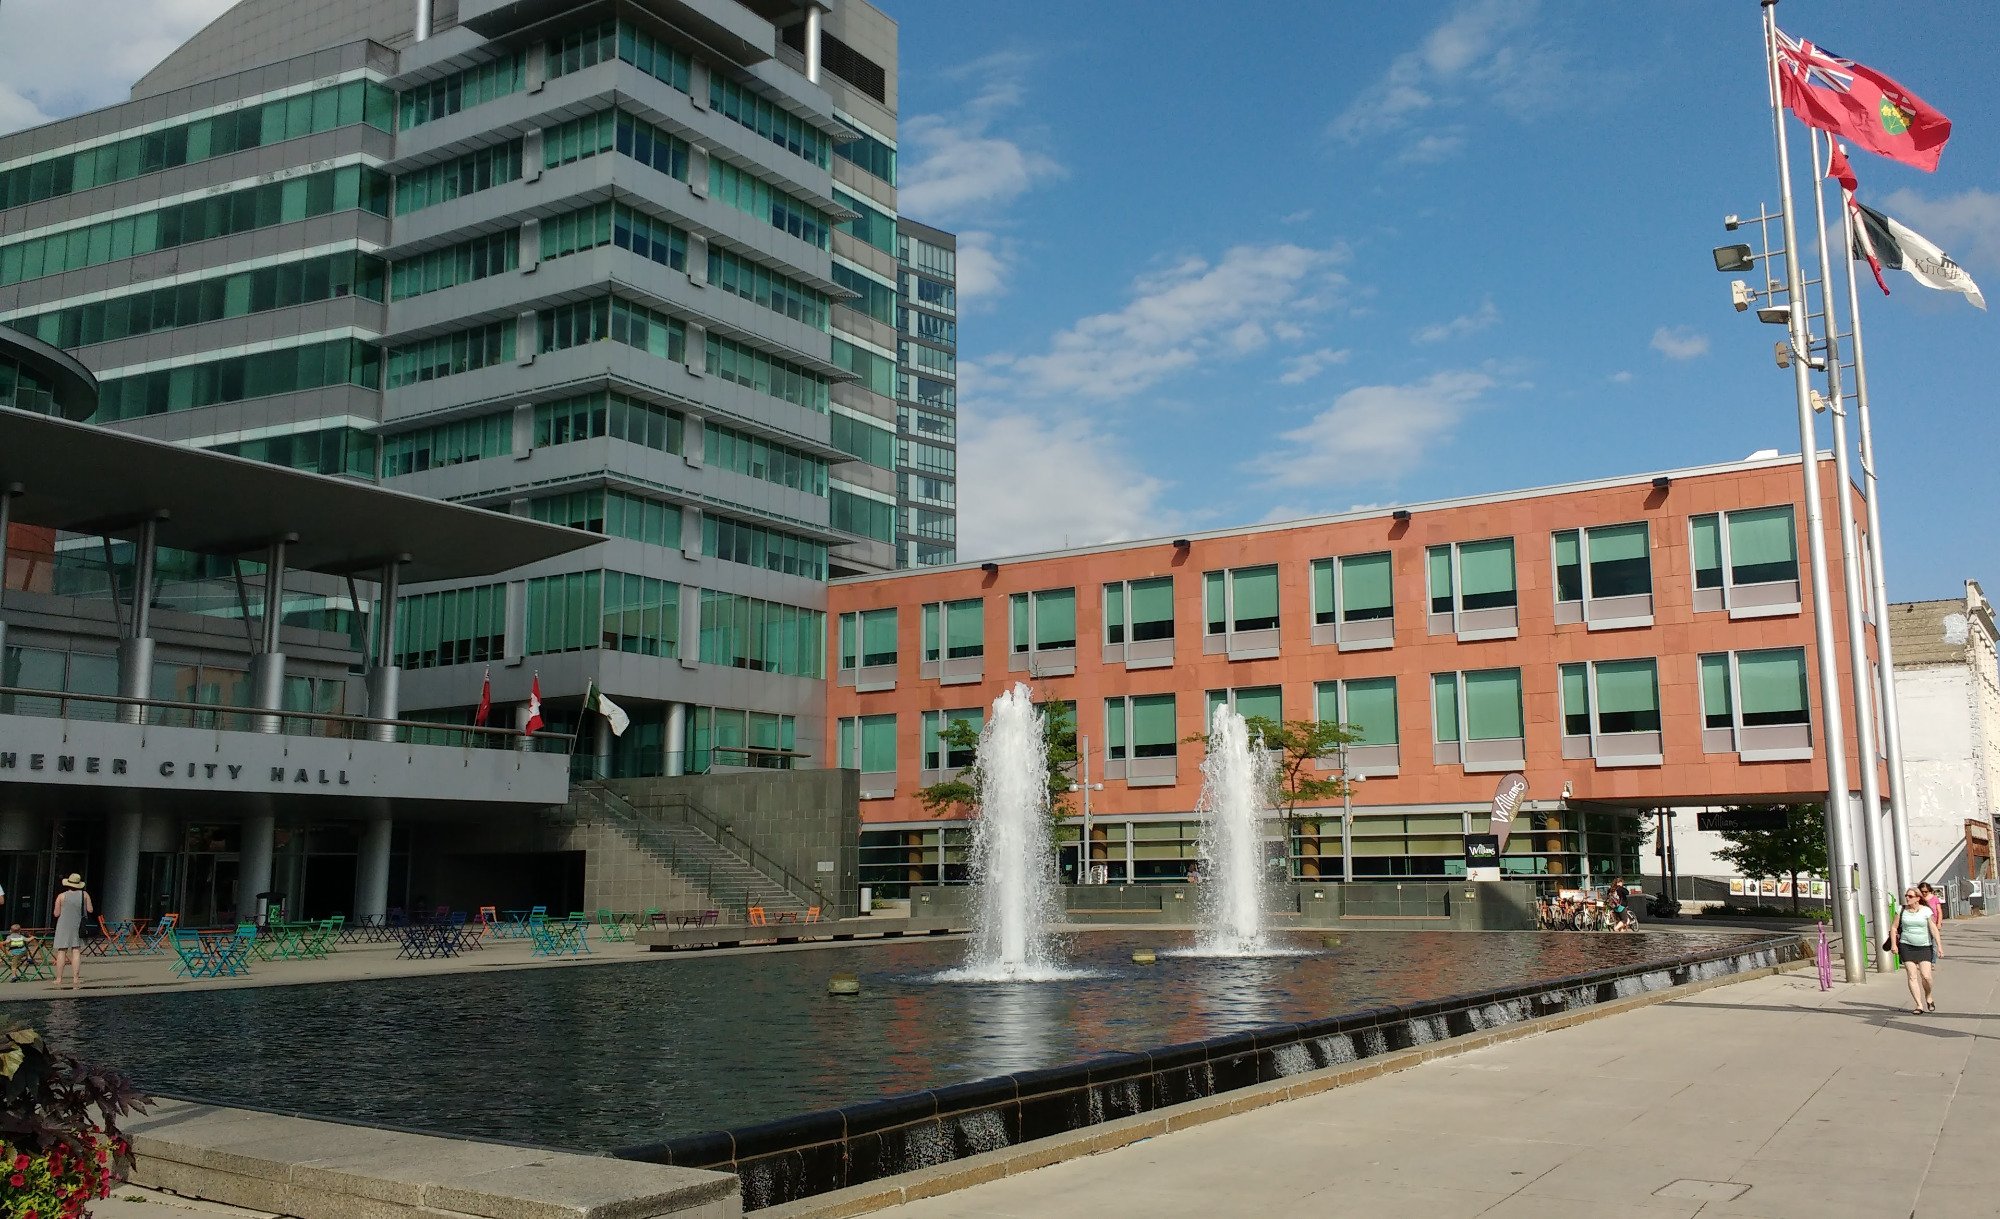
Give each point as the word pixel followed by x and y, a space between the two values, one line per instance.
pixel 43 767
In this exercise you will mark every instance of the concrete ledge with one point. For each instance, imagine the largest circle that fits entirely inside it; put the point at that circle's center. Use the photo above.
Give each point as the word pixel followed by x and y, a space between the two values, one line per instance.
pixel 1121 1132
pixel 328 1170
pixel 732 935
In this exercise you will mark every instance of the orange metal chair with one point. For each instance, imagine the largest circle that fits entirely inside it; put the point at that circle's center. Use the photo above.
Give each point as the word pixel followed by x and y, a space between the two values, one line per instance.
pixel 757 918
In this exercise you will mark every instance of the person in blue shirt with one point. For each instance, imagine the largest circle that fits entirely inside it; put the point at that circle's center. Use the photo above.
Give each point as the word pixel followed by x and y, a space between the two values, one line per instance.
pixel 1916 936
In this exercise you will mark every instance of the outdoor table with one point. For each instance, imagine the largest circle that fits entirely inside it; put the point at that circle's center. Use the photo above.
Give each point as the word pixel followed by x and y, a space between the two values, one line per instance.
pixel 561 937
pixel 429 941
pixel 277 942
pixel 516 926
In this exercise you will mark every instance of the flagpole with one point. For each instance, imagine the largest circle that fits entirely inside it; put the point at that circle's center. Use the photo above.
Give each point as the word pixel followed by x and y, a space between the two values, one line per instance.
pixel 1831 733
pixel 1878 591
pixel 1865 758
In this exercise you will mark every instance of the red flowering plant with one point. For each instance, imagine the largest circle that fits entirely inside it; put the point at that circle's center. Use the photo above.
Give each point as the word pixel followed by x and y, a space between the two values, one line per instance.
pixel 60 1146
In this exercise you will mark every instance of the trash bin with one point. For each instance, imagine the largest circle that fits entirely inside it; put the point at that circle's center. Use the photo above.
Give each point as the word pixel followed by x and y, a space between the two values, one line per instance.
pixel 270 907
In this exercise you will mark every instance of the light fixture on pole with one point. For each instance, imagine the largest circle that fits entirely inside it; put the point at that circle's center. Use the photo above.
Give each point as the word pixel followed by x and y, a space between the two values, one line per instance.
pixel 1084 868
pixel 1831 734
pixel 1347 781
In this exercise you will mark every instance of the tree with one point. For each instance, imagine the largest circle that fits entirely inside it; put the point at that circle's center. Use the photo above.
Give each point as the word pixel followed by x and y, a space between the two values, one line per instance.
pixel 959 795
pixel 1793 842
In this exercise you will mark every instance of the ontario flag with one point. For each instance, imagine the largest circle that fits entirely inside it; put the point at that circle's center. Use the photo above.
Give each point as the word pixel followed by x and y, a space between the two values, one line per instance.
pixel 1857 103
pixel 534 721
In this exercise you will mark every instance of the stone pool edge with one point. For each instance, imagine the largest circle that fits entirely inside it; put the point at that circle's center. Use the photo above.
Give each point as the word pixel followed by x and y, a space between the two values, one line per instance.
pixel 903 1148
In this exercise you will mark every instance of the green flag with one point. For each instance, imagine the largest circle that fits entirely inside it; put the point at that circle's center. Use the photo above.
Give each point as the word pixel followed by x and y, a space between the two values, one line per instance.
pixel 594 699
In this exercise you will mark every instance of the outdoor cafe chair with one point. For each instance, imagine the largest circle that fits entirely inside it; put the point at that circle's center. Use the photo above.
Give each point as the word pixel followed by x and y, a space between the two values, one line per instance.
pixel 32 964
pixel 161 938
pixel 756 917
pixel 812 915
pixel 561 937
pixel 611 927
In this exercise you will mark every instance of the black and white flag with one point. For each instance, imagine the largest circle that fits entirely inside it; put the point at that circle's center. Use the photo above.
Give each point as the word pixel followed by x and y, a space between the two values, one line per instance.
pixel 1884 242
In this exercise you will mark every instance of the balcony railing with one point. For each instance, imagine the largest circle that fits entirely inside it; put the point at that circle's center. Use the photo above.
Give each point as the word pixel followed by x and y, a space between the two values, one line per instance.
pixel 169 713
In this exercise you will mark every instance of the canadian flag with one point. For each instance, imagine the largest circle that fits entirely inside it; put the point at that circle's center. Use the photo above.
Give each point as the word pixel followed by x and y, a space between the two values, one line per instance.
pixel 534 720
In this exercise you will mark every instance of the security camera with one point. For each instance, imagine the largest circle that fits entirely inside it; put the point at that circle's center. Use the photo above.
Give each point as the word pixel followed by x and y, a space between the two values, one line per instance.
pixel 1819 402
pixel 1731 222
pixel 1569 787
pixel 1740 295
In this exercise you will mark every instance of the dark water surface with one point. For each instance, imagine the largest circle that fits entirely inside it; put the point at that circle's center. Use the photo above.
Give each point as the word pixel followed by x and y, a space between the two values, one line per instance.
pixel 612 1055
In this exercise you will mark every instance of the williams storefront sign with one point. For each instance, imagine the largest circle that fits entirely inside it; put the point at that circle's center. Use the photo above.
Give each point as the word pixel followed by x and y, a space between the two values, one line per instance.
pixel 56 767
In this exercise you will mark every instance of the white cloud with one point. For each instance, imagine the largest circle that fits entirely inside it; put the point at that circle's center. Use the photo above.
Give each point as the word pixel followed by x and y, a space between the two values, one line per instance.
pixel 1299 217
pixel 1622 377
pixel 58 59
pixel 1482 318
pixel 1373 433
pixel 956 165
pixel 1478 55
pixel 1028 483
pixel 1680 342
pixel 1300 369
pixel 1965 225
pixel 1178 317
pixel 985 264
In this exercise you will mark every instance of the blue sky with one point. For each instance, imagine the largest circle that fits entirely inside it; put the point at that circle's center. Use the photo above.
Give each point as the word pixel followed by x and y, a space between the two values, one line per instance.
pixel 1229 262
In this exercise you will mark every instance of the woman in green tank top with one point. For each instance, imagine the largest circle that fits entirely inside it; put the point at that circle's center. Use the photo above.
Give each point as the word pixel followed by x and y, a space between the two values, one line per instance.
pixel 1915 936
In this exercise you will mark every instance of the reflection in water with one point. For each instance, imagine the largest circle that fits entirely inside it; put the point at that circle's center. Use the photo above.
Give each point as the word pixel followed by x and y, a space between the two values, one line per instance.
pixel 614 1055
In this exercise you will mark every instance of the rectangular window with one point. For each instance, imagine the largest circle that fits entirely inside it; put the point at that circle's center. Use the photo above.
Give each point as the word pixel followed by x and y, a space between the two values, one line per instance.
pixel 868 638
pixel 1604 576
pixel 457 626
pixel 1477 719
pixel 1241 599
pixel 448 355
pixel 757 457
pixel 239 378
pixel 564 612
pixel 1251 702
pixel 732 361
pixel 752 195
pixel 871 226
pixel 1746 561
pixel 1492 704
pixel 1756 704
pixel 1043 620
pixel 1139 611
pixel 776 124
pixel 1142 726
pixel 868 743
pixel 462 90
pixel 1717 706
pixel 1472 589
pixel 763 636
pixel 1771 686
pixel 641 616
pixel 940 754
pixel 461 176
pixel 755 546
pixel 956 627
pixel 1369 709
pixel 869 154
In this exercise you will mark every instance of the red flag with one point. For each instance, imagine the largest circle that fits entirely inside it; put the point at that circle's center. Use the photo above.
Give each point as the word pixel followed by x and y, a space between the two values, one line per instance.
pixel 534 720
pixel 1858 103
pixel 1839 170
pixel 485 701
pixel 1864 246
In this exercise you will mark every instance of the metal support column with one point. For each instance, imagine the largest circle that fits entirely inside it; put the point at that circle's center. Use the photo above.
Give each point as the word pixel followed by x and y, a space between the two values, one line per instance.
pixel 676 739
pixel 253 874
pixel 121 866
pixel 371 870
pixel 267 667
pixel 135 651
pixel 385 680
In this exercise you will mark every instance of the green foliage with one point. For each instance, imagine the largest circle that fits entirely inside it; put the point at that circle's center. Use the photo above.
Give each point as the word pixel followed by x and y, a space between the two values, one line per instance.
pixel 1795 845
pixel 1300 745
pixel 60 1147
pixel 959 795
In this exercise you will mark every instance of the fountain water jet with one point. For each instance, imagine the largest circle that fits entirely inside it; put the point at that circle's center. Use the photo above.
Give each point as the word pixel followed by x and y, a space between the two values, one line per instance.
pixel 1237 779
pixel 1013 859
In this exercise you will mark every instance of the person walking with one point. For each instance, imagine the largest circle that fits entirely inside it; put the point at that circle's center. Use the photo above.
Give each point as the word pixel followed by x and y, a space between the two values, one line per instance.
pixel 72 905
pixel 1916 936
pixel 1933 899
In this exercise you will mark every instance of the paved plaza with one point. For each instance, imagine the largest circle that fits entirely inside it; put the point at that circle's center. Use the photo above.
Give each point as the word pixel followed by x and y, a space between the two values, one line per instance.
pixel 1767 1098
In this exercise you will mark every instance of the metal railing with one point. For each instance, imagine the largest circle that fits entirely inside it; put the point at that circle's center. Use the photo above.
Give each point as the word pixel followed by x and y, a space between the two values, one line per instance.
pixel 170 713
pixel 706 852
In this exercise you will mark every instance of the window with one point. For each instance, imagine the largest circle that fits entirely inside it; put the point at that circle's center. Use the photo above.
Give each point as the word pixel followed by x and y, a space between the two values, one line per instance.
pixel 649 146
pixel 869 154
pixel 1477 718
pixel 872 371
pixel 1353 601
pixel 722 736
pixel 940 754
pixel 642 616
pixel 464 263
pixel 237 378
pixel 930 259
pixel 1756 703
pixel 462 90
pixel 179 224
pixel 756 457
pixel 448 355
pixel 1472 589
pixel 564 612
pixel 1250 702
pixel 1365 706
pixel 753 281
pixel 455 627
pixel 755 546
pixel 448 444
pixel 764 636
pixel 252 126
pixel 864 439
pixel 757 112
pixel 1139 611
pixel 337 450
pixel 868 639
pixel 469 174
pixel 1611 699
pixel 873 297
pixel 1746 561
pixel 747 193
pixel 956 627
pixel 863 515
pixel 194 301
pixel 1242 599
pixel 1601 573
pixel 868 743
pixel 1140 739
pixel 1042 621
pixel 607 414
pixel 767 374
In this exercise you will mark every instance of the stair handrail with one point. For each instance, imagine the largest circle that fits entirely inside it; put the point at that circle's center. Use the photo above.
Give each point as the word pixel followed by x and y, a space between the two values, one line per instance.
pixel 704 821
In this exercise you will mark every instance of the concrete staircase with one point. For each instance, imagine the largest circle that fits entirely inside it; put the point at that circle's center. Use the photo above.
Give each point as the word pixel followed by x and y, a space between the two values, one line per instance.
pixel 688 843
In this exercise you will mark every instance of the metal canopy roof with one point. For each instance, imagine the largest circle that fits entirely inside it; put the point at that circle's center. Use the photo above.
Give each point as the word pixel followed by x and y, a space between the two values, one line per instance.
pixel 84 478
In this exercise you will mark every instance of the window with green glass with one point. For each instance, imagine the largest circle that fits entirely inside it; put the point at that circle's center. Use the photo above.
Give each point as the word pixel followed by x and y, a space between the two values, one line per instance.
pixel 579 138
pixel 941 754
pixel 1771 686
pixel 764 636
pixel 752 195
pixel 868 638
pixel 752 109
pixel 964 629
pixel 1492 704
pixel 251 126
pixel 462 90
pixel 337 450
pixel 869 154
pixel 1763 546
pixel 1437 566
pixel 872 296
pixel 1366 587
pixel 652 147
pixel 178 224
pixel 457 626
pixel 767 374
pixel 448 355
pixel 1116 729
pixel 641 615
pixel 1627 695
pixel 1620 560
pixel 1705 533
pixel 458 177
pixel 1042 620
pixel 448 444
pixel 1241 599
pixel 863 515
pixel 1369 710
pixel 464 263
pixel 757 457
pixel 735 541
pixel 871 225
pixel 589 416
pixel 1250 702
pixel 1717 704
pixel 1575 681
pixel 239 378
pixel 875 372
pixel 574 509
pixel 864 439
pixel 1152 609
pixel 1325 608
pixel 564 612
pixel 1569 565
pixel 1444 706
pixel 868 743
pixel 1486 574
pixel 755 282
pixel 1154 732
pixel 194 301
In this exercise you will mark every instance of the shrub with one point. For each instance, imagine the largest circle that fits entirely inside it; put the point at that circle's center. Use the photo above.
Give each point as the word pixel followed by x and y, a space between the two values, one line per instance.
pixel 60 1146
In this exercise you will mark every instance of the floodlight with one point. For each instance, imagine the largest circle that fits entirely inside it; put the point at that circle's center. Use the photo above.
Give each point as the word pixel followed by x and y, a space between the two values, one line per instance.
pixel 1731 222
pixel 1776 315
pixel 1733 258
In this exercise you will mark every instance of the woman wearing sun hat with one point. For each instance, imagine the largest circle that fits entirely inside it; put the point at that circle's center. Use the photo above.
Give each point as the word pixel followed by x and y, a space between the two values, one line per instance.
pixel 72 905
